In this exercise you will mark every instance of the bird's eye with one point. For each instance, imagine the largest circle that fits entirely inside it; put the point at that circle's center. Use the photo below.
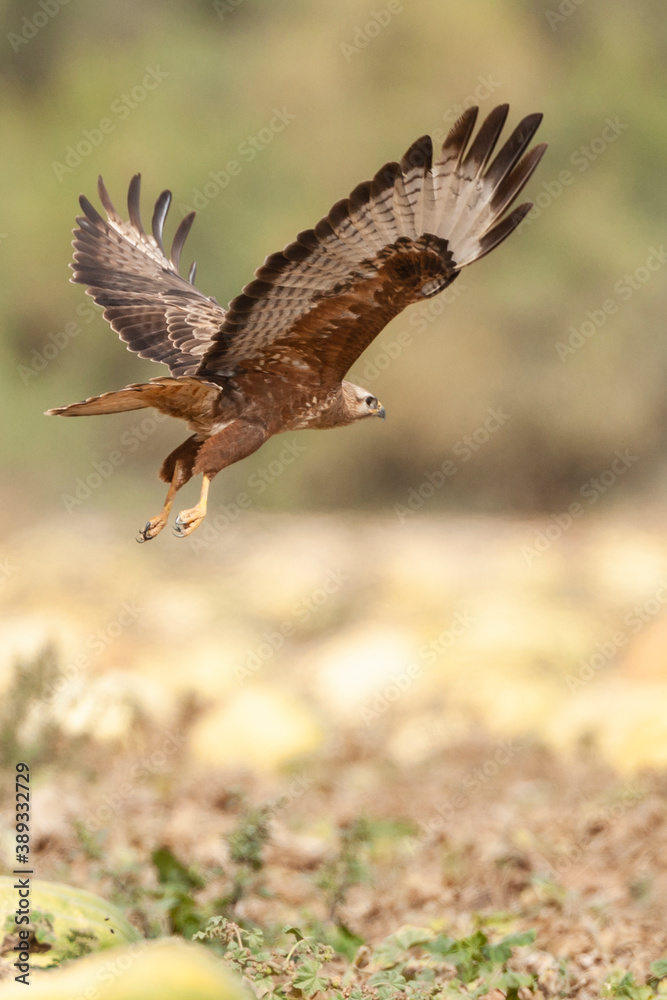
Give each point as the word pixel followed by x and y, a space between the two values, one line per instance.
pixel 371 401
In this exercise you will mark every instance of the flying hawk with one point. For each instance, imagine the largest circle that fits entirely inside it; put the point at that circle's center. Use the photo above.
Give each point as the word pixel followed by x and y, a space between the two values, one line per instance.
pixel 275 360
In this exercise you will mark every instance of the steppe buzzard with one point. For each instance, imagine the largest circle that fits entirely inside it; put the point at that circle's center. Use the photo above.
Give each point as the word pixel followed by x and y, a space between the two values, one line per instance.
pixel 275 360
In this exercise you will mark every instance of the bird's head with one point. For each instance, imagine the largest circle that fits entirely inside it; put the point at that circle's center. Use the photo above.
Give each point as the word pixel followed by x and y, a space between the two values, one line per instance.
pixel 361 403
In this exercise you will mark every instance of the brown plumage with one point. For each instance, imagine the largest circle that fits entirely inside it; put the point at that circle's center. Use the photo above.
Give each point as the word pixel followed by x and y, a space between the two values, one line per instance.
pixel 275 360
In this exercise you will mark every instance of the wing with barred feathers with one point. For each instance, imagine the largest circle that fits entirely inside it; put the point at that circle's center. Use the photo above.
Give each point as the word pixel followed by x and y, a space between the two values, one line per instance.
pixel 400 238
pixel 156 312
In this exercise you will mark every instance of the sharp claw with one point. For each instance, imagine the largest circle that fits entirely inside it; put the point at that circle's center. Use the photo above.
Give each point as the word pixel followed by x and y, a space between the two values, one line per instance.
pixel 184 526
pixel 152 528
pixel 143 535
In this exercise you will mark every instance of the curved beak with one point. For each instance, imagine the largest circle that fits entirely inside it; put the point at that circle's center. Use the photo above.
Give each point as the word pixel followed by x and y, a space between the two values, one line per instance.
pixel 380 412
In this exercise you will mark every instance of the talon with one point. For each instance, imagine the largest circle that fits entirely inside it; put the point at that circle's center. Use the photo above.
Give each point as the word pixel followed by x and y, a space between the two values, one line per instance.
pixel 153 528
pixel 188 520
pixel 144 534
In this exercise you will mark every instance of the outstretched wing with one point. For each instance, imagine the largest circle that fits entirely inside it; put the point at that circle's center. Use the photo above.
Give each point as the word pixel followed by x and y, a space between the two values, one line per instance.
pixel 156 312
pixel 397 239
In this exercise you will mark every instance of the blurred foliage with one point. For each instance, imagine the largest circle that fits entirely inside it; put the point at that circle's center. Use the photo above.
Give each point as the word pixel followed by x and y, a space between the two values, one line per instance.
pixel 348 866
pixel 177 884
pixel 25 727
pixel 178 91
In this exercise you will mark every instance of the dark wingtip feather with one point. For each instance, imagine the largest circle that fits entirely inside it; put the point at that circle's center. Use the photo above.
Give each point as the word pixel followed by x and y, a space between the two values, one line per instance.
pixel 89 211
pixel 339 212
pixel 192 272
pixel 360 196
pixel 485 141
pixel 180 237
pixel 513 183
pixel 386 177
pixel 419 154
pixel 503 229
pixel 458 136
pixel 107 203
pixel 133 197
pixel 308 238
pixel 159 216
pixel 514 148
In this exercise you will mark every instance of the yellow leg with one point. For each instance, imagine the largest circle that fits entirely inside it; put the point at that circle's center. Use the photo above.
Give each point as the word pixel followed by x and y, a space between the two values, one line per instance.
pixel 156 524
pixel 188 520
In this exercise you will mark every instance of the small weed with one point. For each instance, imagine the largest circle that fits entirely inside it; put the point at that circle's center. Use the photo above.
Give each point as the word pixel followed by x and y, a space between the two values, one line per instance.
pixel 178 885
pixel 90 843
pixel 349 866
pixel 277 972
pixel 622 984
pixel 246 844
pixel 31 678
pixel 176 896
pixel 640 889
pixel 414 963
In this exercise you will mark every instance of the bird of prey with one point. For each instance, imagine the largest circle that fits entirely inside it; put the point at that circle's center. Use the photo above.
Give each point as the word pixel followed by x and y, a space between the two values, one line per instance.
pixel 276 358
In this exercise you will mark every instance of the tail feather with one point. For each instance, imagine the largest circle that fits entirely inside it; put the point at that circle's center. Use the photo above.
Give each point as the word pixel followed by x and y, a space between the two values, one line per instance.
pixel 183 396
pixel 133 397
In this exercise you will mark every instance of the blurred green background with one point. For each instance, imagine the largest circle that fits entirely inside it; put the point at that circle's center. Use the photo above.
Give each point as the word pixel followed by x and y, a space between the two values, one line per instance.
pixel 185 88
